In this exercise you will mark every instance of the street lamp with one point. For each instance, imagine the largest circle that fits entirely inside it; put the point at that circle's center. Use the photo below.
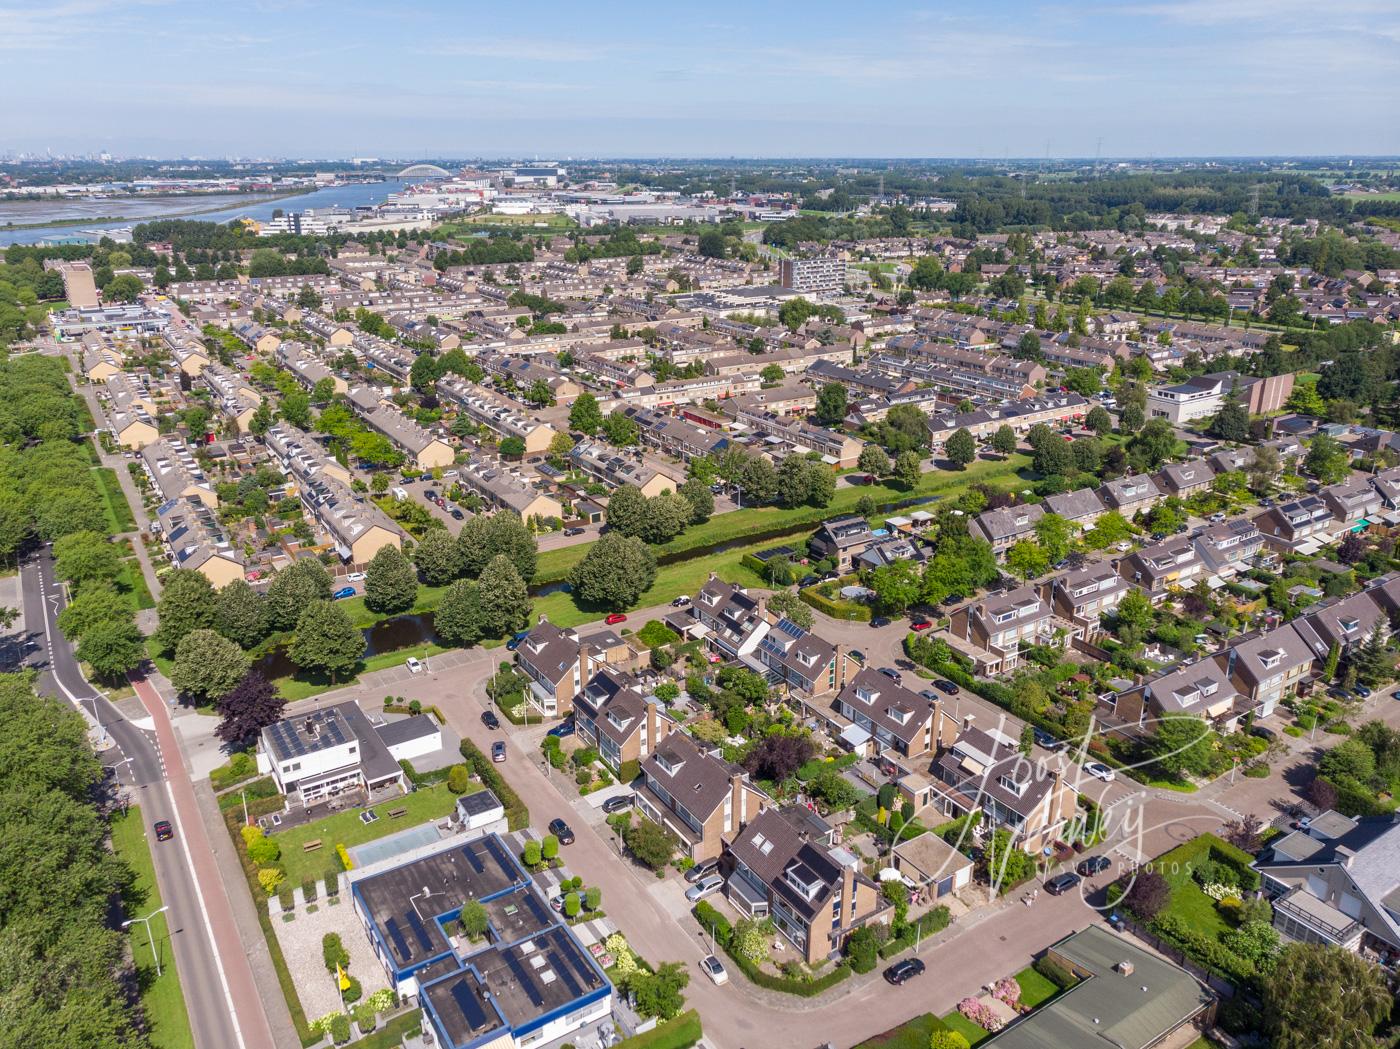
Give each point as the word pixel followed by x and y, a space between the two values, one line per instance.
pixel 124 761
pixel 146 921
pixel 97 718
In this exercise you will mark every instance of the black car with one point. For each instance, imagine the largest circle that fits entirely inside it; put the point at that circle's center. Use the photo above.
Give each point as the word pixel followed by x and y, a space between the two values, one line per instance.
pixel 702 870
pixel 619 803
pixel 164 832
pixel 457 515
pixel 1094 865
pixel 899 972
pixel 489 719
pixel 573 531
pixel 945 686
pixel 562 831
pixel 878 621
pixel 893 674
pixel 1046 740
pixel 1062 883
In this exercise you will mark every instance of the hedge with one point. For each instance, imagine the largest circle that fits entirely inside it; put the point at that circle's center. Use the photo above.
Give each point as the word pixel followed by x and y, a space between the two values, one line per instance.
pixel 423 779
pixel 834 607
pixel 628 771
pixel 709 918
pixel 679 1033
pixel 259 790
pixel 517 814
pixel 242 766
pixel 1056 973
pixel 935 921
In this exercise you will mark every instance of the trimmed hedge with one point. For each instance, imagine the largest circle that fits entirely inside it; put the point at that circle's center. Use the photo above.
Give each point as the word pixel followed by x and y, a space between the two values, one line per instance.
pixel 517 814
pixel 835 607
pixel 930 924
pixel 709 918
pixel 681 1032
pixel 258 790
pixel 628 771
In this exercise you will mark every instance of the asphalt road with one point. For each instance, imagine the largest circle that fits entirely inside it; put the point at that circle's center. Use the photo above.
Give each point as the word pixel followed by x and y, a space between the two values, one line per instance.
pixel 139 765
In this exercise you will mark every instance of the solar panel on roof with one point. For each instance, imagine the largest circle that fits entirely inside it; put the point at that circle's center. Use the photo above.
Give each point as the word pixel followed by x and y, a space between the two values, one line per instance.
pixel 585 974
pixel 474 859
pixel 470 1006
pixel 416 924
pixel 564 973
pixel 396 938
pixel 527 983
pixel 493 846
pixel 538 909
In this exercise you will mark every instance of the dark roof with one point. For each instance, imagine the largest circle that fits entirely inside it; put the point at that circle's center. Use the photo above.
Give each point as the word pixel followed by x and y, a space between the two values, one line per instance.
pixel 419 726
pixel 697 781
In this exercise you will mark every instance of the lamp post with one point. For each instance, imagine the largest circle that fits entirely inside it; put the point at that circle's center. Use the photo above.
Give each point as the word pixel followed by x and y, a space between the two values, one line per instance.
pixel 97 718
pixel 146 921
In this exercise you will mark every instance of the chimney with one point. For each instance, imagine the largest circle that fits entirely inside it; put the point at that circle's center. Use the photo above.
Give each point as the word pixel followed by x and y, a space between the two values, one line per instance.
pixel 1124 968
pixel 967 721
pixel 1344 856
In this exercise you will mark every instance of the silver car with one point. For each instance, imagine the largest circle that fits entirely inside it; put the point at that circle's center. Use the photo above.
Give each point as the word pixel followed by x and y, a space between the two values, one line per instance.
pixel 710 883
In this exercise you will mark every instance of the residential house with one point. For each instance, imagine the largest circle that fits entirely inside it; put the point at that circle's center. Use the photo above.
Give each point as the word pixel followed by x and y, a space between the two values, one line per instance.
pixel 800 661
pixel 1130 495
pixel 1344 623
pixel 698 796
pixel 176 473
pixel 1003 528
pixel 1085 595
pixel 993 629
pixel 985 771
pixel 1303 526
pixel 622 719
pixel 197 541
pixel 1171 564
pixel 559 663
pixel 1353 503
pixel 873 715
pixel 1269 666
pixel 726 616
pixel 1229 547
pixel 1202 689
pixel 1186 479
pixel 423 448
pixel 504 488
pixel 1081 508
pixel 813 892
pixel 1337 882
pixel 842 539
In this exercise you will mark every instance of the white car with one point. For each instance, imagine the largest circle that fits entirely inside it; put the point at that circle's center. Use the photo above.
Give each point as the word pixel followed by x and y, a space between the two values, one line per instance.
pixel 414 666
pixel 354 577
pixel 1099 770
pixel 707 885
pixel 714 969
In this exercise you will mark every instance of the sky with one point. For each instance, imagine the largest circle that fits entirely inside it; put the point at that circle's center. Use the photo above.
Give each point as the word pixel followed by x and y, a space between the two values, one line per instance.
pixel 959 78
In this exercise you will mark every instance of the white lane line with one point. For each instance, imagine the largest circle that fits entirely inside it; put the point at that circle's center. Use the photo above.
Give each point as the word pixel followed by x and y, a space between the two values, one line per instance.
pixel 204 914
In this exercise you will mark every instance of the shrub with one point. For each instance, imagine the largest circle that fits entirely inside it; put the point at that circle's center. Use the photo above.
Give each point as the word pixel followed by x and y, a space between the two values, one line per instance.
pixel 1007 990
pixel 365 1018
pixel 947 1040
pixel 583 777
pixel 459 779
pixel 473 919
pixel 270 878
pixel 750 941
pixel 549 848
pixel 345 861
pixel 863 947
pixel 571 905
pixel 1053 971
pixel 593 897
pixel 382 1000
pixel 531 854
pixel 340 1028
pixel 712 921
pixel 628 771
pixel 333 952
pixel 1148 894
pixel 352 993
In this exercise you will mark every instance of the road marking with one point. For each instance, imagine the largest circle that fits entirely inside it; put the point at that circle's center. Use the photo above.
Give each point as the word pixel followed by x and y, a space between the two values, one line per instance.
pixel 204 913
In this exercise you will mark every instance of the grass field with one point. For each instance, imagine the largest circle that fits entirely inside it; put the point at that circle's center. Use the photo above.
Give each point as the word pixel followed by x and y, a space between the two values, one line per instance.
pixel 161 997
pixel 551 221
pixel 1035 989
pixel 956 1021
pixel 346 828
pixel 119 516
pixel 912 1035
pixel 1388 195
pixel 1188 901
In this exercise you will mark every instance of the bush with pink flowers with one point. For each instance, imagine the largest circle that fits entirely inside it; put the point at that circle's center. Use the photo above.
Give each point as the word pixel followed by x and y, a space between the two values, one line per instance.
pixel 1009 991
pixel 981 1014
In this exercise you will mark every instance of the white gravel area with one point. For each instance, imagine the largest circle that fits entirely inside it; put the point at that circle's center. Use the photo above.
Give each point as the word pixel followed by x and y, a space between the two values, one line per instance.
pixel 301 947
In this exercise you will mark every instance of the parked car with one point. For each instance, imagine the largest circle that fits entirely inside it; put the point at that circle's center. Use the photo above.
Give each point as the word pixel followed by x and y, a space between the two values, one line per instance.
pixel 343 592
pixel 620 803
pixel 567 727
pixel 920 623
pixel 946 687
pixel 515 640
pixel 489 719
pixel 711 967
pixel 702 870
pixel 431 495
pixel 457 515
pixel 893 674
pixel 903 971
pixel 879 621
pixel 498 750
pixel 616 617
pixel 1094 865
pixel 1062 883
pixel 857 655
pixel 1046 740
pixel 931 696
pixel 1362 691
pixel 706 886
pixel 1263 732
pixel 415 665
pixel 562 831
pixel 680 602
pixel 573 531
pixel 355 577
pixel 164 831
pixel 1099 770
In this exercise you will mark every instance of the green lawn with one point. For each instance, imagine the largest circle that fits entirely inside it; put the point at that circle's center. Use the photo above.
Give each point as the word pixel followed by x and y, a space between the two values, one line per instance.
pixel 1035 989
pixel 956 1021
pixel 161 997
pixel 771 520
pixel 346 828
pixel 119 515
pixel 132 581
pixel 912 1035
pixel 1187 900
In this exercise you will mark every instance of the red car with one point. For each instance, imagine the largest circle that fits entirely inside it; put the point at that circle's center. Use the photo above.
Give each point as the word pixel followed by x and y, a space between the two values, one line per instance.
pixel 616 617
pixel 164 832
pixel 921 624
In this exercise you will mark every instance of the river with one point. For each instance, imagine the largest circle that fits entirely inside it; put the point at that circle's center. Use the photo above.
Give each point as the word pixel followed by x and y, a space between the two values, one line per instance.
pixel 192 207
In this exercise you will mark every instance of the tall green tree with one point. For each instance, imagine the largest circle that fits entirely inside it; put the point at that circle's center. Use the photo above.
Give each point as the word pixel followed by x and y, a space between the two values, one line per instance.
pixel 391 585
pixel 112 648
pixel 1327 460
pixel 187 603
pixel 961 448
pixel 326 640
pixel 1004 440
pixel 207 665
pixel 1323 997
pixel 458 619
pixel 240 614
pixel 505 600
pixel 701 500
pixel 86 557
pixel 907 467
pixel 831 405
pixel 438 557
pixel 617 570
pixel 293 589
pixel 627 510
pixel 873 460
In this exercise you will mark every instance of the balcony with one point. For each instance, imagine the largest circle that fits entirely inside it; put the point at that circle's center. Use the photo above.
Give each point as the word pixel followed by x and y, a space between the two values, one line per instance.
pixel 1324 921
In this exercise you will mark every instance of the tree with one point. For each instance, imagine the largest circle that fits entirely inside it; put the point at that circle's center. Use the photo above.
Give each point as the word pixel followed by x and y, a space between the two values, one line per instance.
pixel 1054 533
pixel 1231 423
pixel 511 447
pixel 1322 997
pixel 873 460
pixel 326 640
pixel 1053 458
pixel 651 843
pixel 615 573
pixel 1099 420
pixel 96 604
pixel 627 510
pixel 778 756
pixel 961 448
pixel 659 993
pixel 772 374
pixel 1182 744
pixel 458 618
pixel 207 665
pixel 907 467
pixel 1002 863
pixel 391 585
pixel 505 600
pixel 1263 468
pixel 249 707
pixel 1135 614
pixel 112 648
pixel 897 586
pixel 1148 894
pixel 1004 440
pixel 507 535
pixel 1327 460
pixel 1027 559
pixel 711 244
pixel 620 430
pixel 667 515
pixel 1027 739
pixel 293 589
pixel 1130 419
pixel 560 445
pixel 186 603
pixel 438 557
pixel 701 500
pixel 1245 833
pixel 126 287
pixel 86 557
pixel 831 405
pixel 789 606
pixel 474 919
pixel 758 480
pixel 1084 381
